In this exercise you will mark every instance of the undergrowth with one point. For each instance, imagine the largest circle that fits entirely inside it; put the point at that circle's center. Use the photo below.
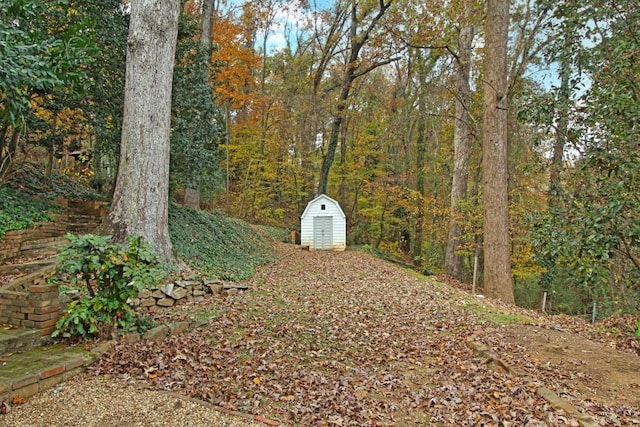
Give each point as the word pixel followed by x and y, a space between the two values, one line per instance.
pixel 31 179
pixel 217 245
pixel 278 234
pixel 19 211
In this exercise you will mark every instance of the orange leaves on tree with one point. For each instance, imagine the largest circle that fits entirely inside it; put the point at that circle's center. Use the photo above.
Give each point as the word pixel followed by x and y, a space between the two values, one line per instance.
pixel 235 62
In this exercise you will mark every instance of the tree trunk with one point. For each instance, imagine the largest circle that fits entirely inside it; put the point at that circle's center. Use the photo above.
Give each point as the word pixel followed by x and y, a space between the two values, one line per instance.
pixel 192 198
pixel 421 148
pixel 555 184
pixel 52 148
pixel 192 193
pixel 207 15
pixel 498 281
pixel 462 152
pixel 140 200
pixel 329 156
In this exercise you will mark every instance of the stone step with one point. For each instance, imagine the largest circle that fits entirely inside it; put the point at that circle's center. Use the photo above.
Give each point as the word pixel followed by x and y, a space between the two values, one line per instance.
pixel 26 267
pixel 13 340
pixel 50 243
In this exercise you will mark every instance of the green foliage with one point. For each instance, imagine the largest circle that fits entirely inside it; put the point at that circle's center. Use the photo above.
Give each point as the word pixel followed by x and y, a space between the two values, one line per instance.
pixel 637 331
pixel 224 247
pixel 276 233
pixel 589 241
pixel 19 211
pixel 196 122
pixel 104 99
pixel 111 274
pixel 36 56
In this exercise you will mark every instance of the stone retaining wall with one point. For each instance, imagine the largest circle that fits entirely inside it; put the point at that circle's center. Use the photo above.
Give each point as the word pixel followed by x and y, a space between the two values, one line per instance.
pixel 171 294
pixel 30 302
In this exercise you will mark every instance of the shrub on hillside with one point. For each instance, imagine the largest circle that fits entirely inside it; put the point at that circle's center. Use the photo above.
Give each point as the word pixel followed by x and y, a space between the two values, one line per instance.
pixel 110 274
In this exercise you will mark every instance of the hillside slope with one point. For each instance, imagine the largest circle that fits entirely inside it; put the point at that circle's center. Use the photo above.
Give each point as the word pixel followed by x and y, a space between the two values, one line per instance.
pixel 343 338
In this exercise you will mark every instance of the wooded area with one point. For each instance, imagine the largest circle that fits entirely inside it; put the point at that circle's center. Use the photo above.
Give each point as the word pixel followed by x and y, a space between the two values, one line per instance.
pixel 443 140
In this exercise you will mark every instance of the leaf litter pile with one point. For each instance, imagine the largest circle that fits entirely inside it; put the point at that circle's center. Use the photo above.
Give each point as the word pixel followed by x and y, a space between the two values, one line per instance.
pixel 346 339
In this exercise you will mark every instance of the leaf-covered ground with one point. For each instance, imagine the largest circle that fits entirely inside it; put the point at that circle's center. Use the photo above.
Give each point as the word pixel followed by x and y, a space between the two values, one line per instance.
pixel 345 339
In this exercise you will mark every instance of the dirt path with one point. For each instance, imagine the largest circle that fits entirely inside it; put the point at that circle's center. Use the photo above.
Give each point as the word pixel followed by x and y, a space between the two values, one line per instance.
pixel 597 371
pixel 343 338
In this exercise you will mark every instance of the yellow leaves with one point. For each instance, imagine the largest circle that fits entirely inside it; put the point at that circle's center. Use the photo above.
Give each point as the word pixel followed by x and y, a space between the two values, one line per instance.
pixel 289 398
pixel 257 381
pixel 235 63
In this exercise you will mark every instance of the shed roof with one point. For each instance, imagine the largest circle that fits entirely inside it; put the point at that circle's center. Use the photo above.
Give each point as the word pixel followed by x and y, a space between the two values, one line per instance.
pixel 323 196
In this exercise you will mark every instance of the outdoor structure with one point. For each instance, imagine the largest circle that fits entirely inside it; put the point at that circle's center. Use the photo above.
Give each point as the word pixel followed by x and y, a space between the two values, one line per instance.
pixel 323 225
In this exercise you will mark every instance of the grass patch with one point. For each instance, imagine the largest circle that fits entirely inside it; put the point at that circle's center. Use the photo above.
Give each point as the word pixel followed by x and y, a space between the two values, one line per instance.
pixel 494 316
pixel 217 245
pixel 207 313
pixel 278 234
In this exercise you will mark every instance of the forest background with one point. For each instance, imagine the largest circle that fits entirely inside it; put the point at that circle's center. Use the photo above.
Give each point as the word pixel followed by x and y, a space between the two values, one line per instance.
pixel 379 105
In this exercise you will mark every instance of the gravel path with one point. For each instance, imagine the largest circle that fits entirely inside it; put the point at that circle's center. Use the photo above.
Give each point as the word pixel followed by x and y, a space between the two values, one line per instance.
pixel 331 339
pixel 89 401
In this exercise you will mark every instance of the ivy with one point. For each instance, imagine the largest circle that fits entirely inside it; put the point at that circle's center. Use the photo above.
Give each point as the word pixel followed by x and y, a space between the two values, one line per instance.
pixel 196 122
pixel 217 245
pixel 19 211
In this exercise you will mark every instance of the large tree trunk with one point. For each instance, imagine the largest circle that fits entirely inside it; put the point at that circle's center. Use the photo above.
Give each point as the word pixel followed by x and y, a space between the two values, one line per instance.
pixel 141 196
pixel 453 264
pixel 207 16
pixel 498 281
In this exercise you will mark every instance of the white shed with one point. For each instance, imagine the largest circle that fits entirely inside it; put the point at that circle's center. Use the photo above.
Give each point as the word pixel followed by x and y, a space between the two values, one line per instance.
pixel 323 225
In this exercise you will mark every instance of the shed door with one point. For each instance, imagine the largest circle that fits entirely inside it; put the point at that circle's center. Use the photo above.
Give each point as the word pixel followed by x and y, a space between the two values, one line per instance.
pixel 323 232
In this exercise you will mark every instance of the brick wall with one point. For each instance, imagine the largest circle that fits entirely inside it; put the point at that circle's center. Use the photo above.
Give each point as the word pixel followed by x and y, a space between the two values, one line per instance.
pixel 79 216
pixel 30 302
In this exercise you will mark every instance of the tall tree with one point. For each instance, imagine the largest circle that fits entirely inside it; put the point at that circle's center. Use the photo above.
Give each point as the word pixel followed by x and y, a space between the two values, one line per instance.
pixel 141 196
pixel 196 122
pixel 453 262
pixel 498 281
pixel 354 68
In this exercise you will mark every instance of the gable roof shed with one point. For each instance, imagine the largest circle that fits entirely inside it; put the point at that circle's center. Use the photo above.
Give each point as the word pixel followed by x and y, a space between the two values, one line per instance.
pixel 323 225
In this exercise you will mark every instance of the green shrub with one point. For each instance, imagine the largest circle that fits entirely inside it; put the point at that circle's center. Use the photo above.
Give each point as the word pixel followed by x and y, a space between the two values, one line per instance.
pixel 527 293
pixel 111 274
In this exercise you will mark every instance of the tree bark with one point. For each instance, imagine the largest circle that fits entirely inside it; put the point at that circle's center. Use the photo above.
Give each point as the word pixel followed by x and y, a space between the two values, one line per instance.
pixel 421 148
pixel 192 191
pixel 453 262
pixel 207 16
pixel 141 195
pixel 498 282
